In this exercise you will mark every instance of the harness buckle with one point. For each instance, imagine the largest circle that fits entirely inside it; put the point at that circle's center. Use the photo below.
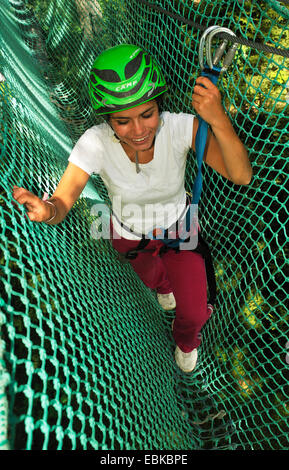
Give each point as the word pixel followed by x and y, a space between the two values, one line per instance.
pixel 206 43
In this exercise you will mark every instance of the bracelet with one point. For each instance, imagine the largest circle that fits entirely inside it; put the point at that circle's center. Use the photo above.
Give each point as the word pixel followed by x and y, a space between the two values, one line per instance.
pixel 55 212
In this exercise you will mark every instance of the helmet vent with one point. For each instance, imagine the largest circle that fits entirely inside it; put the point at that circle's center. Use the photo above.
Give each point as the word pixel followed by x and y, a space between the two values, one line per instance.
pixel 154 77
pixel 110 76
pixel 132 67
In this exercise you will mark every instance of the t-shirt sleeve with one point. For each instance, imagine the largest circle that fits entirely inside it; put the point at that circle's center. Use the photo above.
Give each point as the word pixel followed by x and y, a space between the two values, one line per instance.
pixel 181 125
pixel 87 153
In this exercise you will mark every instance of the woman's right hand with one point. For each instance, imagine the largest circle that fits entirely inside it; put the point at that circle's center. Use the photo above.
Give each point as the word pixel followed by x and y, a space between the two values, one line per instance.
pixel 37 209
pixel 59 204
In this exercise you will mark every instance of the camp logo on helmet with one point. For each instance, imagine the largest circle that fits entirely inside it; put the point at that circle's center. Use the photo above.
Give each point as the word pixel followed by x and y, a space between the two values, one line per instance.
pixel 126 85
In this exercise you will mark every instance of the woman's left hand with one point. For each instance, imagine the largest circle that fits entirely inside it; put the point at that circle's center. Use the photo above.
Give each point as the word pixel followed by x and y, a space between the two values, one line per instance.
pixel 224 152
pixel 207 102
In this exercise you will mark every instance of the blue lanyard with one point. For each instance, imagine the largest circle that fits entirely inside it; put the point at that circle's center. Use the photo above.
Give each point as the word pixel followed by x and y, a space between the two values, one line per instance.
pixel 201 139
pixel 200 145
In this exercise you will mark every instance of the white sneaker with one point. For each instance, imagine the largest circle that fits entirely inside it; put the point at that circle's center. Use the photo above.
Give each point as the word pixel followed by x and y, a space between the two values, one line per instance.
pixel 167 301
pixel 186 361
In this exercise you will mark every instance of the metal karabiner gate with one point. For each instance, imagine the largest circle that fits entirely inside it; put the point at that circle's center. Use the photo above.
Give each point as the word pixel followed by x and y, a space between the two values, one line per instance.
pixel 206 43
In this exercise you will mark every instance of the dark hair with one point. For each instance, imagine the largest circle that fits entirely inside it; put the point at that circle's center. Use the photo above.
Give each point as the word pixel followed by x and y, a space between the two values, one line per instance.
pixel 160 102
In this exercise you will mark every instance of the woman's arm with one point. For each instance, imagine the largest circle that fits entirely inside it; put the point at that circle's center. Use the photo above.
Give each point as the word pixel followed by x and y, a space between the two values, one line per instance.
pixel 67 192
pixel 224 151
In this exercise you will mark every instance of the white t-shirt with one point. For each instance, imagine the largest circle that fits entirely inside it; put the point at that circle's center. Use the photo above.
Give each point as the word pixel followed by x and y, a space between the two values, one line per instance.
pixel 156 196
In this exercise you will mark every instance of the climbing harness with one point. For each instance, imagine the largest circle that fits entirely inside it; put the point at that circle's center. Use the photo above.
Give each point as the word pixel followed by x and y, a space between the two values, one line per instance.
pixel 202 249
pixel 212 70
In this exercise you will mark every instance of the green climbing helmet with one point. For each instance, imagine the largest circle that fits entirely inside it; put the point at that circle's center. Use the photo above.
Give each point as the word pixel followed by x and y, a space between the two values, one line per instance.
pixel 122 77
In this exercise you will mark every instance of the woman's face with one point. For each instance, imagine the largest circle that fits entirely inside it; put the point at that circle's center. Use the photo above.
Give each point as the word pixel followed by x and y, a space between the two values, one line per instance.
pixel 136 127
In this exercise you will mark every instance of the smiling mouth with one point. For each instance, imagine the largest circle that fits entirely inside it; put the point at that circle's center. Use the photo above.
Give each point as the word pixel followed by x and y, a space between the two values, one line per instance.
pixel 139 141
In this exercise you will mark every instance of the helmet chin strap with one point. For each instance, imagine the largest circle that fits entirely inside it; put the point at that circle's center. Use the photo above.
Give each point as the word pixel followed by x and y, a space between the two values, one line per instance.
pixel 137 168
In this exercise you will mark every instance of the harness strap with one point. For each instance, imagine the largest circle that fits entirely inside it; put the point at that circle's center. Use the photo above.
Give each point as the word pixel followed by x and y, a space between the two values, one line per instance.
pixel 202 248
pixel 132 254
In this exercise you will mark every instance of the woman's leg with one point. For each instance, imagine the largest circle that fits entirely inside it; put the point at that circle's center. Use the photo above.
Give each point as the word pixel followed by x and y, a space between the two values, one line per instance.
pixel 148 266
pixel 187 276
pixel 182 273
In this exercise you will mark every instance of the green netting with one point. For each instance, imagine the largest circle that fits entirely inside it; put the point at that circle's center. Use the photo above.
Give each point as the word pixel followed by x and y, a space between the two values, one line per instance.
pixel 86 353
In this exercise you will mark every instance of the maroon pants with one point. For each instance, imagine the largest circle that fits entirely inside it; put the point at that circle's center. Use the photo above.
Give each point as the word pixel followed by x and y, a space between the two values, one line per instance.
pixel 182 273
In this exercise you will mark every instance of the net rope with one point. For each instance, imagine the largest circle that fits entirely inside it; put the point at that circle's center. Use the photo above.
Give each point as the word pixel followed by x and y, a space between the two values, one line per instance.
pixel 86 353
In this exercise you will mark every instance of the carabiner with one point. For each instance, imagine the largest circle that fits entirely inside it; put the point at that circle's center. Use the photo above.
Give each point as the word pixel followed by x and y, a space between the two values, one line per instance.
pixel 202 45
pixel 206 40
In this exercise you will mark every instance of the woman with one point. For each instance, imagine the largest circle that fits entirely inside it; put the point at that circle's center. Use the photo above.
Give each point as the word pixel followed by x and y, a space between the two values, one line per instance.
pixel 140 153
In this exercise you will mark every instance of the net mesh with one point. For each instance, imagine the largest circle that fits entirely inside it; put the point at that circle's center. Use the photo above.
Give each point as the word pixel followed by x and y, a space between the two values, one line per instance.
pixel 86 353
